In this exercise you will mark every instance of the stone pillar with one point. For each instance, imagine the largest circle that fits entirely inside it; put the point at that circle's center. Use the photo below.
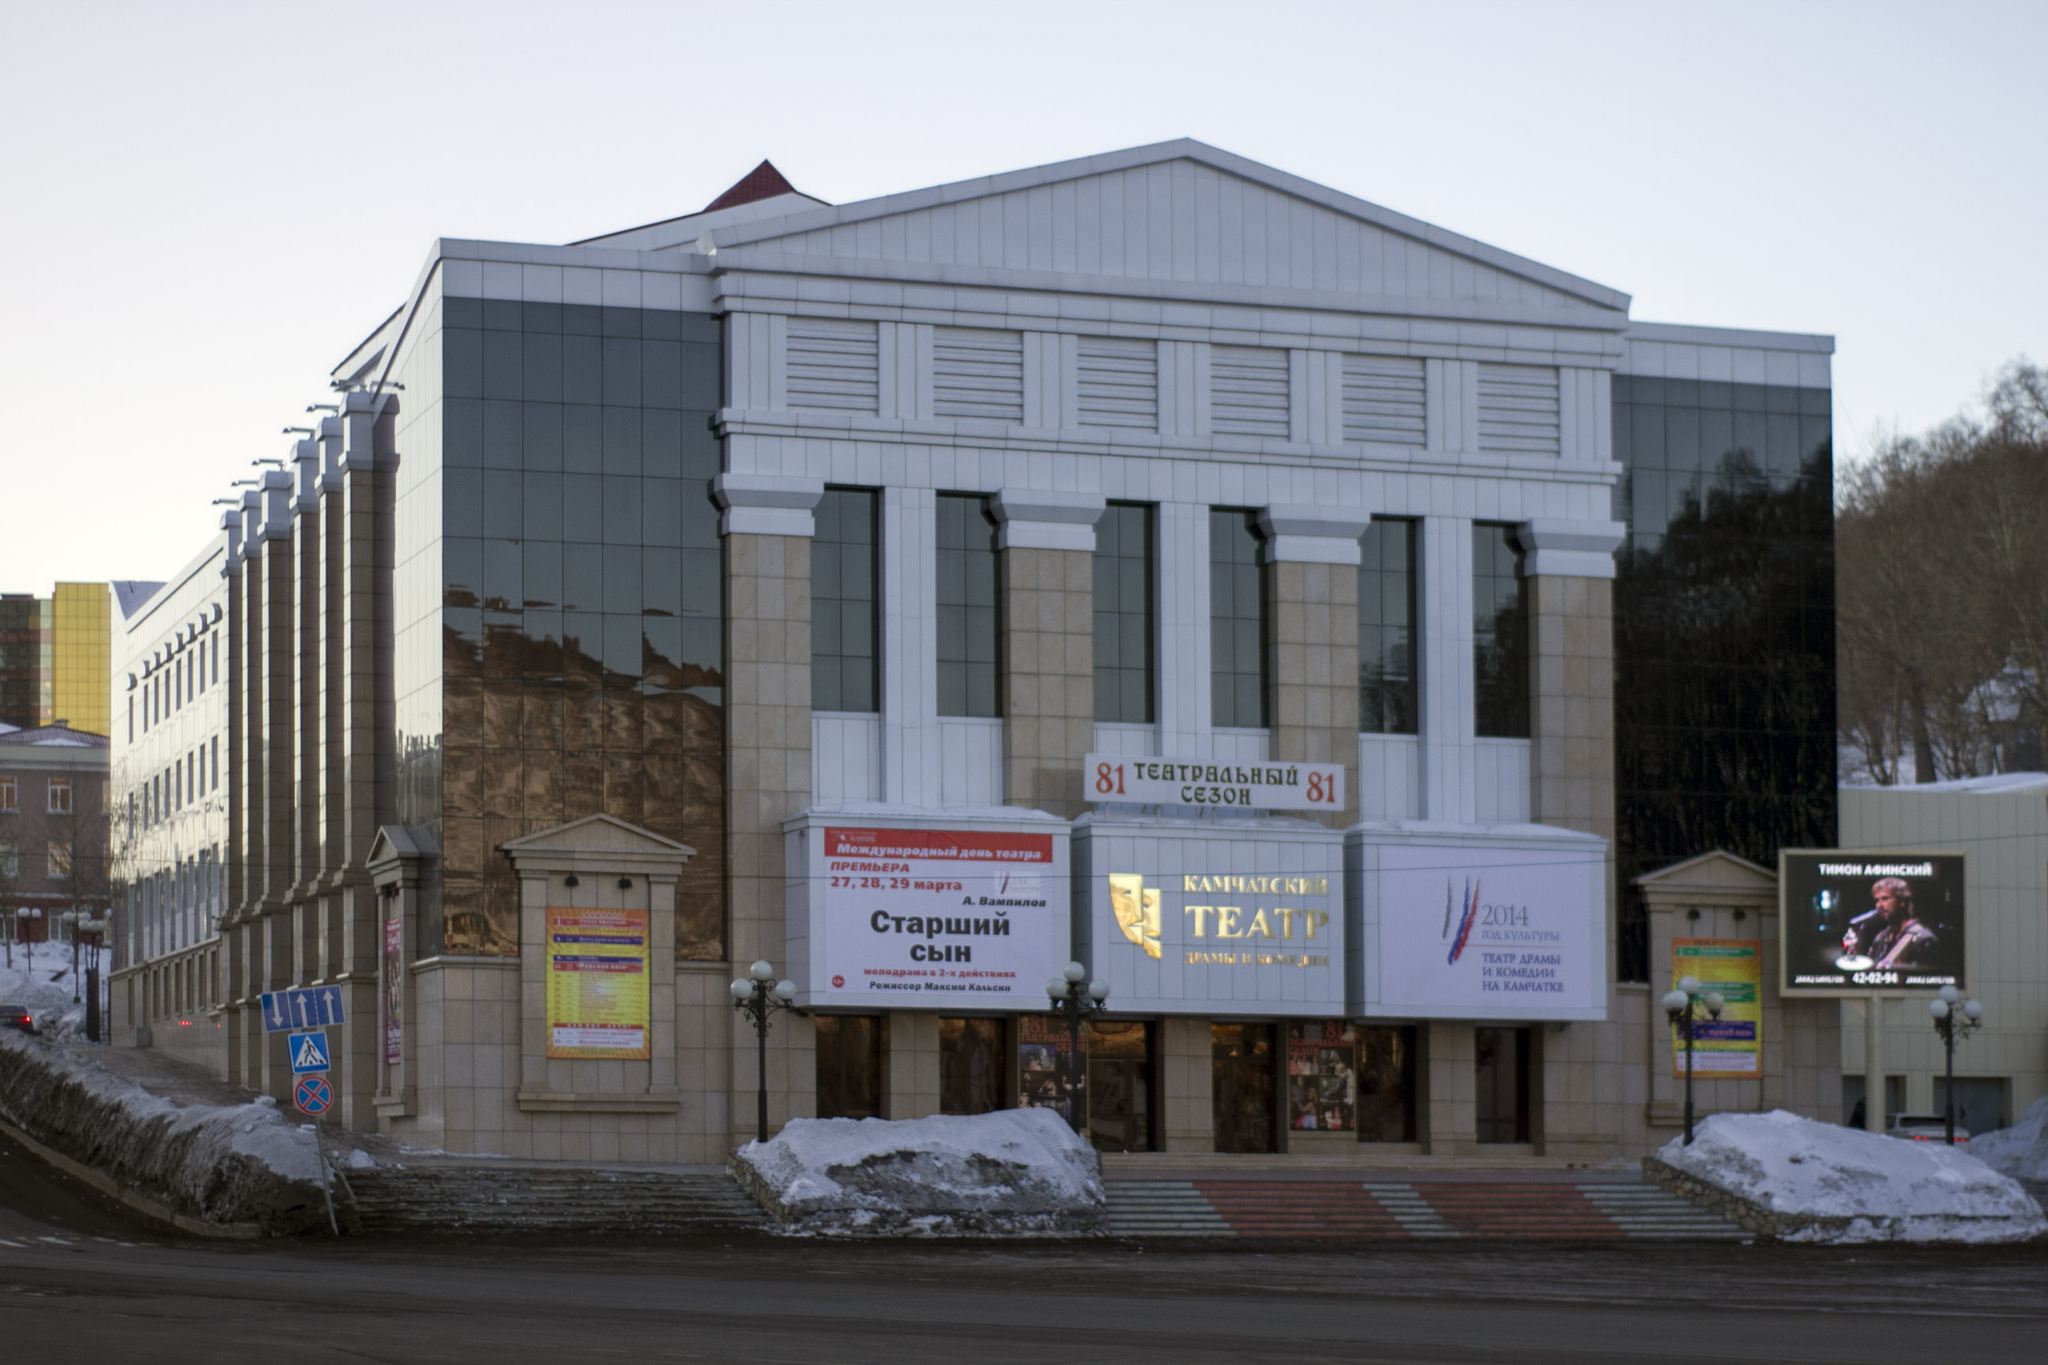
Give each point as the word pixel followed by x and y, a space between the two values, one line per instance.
pixel 1450 1087
pixel 1046 544
pixel 1312 559
pixel 912 1066
pixel 1187 1086
pixel 308 685
pixel 767 526
pixel 1570 570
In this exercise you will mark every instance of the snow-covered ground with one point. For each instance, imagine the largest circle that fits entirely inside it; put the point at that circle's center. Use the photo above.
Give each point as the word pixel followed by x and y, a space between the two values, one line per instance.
pixel 1012 1171
pixel 2020 1151
pixel 40 981
pixel 1828 1183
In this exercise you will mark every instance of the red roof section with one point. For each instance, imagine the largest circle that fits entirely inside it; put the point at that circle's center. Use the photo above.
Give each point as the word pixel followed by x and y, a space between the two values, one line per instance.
pixel 763 182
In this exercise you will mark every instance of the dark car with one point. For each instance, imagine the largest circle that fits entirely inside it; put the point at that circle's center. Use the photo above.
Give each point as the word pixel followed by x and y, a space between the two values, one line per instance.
pixel 15 1017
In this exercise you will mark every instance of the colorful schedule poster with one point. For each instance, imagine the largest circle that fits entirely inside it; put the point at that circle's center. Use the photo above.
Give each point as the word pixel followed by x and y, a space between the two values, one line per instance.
pixel 1733 1045
pixel 597 984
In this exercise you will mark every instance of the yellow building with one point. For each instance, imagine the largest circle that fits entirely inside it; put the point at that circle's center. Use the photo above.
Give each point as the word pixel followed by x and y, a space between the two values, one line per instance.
pixel 79 688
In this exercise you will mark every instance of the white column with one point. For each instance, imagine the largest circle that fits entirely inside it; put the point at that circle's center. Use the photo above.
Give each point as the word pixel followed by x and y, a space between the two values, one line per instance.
pixel 1183 610
pixel 1444 600
pixel 911 754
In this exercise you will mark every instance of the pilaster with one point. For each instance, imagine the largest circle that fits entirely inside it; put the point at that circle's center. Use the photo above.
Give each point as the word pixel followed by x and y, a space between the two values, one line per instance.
pixel 1312 631
pixel 1046 544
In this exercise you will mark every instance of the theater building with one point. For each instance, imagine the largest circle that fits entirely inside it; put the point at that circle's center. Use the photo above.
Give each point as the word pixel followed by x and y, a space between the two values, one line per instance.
pixel 1157 559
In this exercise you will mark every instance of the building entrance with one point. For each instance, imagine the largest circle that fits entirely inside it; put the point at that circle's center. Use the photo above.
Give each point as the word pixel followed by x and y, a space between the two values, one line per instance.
pixel 1244 1064
pixel 849 1059
pixel 971 1071
pixel 1502 1084
pixel 1120 1086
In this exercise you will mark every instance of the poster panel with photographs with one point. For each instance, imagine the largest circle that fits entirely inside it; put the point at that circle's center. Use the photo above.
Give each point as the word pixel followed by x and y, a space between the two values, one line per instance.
pixel 1732 1046
pixel 1852 922
pixel 1045 1078
pixel 1322 1076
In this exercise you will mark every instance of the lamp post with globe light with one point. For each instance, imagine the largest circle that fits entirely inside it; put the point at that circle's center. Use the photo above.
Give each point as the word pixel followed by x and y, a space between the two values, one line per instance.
pixel 757 995
pixel 1954 1018
pixel 1075 998
pixel 1683 1006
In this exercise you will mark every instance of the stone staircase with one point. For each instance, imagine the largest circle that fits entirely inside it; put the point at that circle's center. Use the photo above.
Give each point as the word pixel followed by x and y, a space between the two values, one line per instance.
pixel 1386 1209
pixel 553 1198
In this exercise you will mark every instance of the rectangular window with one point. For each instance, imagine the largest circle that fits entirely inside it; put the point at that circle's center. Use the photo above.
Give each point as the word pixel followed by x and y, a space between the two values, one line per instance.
pixel 849 1066
pixel 60 796
pixel 1237 619
pixel 1125 633
pixel 846 644
pixel 60 860
pixel 214 785
pixel 1386 629
pixel 969 664
pixel 7 794
pixel 10 861
pixel 971 1055
pixel 1500 634
pixel 1388 1096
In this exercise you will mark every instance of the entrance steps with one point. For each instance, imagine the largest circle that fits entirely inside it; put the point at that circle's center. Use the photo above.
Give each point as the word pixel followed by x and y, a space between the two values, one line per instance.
pixel 1426 1206
pixel 543 1197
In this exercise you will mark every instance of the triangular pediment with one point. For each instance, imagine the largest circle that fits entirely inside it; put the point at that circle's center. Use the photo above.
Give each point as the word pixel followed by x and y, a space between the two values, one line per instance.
pixel 1714 873
pixel 1179 213
pixel 597 834
pixel 397 843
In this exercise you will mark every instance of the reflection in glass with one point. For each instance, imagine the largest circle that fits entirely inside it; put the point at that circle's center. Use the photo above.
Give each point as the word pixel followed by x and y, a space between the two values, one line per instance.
pixel 970 1066
pixel 845 587
pixel 1386 628
pixel 967 567
pixel 1126 636
pixel 1500 633
pixel 1237 620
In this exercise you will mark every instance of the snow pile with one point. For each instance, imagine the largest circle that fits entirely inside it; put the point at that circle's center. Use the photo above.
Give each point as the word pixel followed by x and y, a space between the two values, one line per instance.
pixel 1012 1172
pixel 1819 1182
pixel 2020 1151
pixel 210 1165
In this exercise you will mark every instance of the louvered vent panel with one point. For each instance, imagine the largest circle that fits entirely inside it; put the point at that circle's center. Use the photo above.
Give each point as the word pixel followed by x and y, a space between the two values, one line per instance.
pixel 832 364
pixel 1118 383
pixel 1248 391
pixel 1383 400
pixel 1518 409
pixel 978 373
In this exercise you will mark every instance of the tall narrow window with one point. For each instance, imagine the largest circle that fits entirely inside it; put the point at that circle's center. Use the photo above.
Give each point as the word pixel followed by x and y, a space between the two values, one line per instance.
pixel 845 629
pixel 1386 629
pixel 849 1057
pixel 1125 632
pixel 968 660
pixel 1500 634
pixel 60 796
pixel 1237 620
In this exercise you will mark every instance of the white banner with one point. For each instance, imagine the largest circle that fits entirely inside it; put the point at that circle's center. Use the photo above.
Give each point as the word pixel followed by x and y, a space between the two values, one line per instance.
pixel 1236 786
pixel 1488 933
pixel 903 918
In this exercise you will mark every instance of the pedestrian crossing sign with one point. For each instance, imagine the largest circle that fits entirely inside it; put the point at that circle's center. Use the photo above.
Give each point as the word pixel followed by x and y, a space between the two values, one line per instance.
pixel 309 1052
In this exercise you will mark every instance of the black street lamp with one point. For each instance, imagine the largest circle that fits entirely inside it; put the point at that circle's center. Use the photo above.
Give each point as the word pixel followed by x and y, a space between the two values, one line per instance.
pixel 1953 1021
pixel 1683 1006
pixel 754 996
pixel 1075 998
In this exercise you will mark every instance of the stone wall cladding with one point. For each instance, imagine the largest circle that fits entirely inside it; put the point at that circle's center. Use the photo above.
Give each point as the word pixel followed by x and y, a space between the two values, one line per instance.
pixel 768 779
pixel 1048 677
pixel 1312 680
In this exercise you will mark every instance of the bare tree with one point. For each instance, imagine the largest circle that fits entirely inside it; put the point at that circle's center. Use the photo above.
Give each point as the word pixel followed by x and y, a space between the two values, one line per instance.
pixel 1942 592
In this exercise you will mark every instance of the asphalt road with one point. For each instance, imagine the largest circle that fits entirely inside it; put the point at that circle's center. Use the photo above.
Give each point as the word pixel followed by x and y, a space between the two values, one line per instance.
pixel 85 1281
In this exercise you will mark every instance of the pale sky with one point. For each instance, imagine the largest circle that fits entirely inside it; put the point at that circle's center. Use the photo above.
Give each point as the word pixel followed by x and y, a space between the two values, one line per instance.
pixel 203 206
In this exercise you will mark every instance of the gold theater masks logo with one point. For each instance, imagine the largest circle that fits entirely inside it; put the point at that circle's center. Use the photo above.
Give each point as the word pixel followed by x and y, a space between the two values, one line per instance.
pixel 1137 909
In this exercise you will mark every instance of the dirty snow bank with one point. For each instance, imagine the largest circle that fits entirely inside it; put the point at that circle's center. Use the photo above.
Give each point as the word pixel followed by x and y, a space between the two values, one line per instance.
pixel 211 1166
pixel 2020 1151
pixel 1009 1173
pixel 1819 1182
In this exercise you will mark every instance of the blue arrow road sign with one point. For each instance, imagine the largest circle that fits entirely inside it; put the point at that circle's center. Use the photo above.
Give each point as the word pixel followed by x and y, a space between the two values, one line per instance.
pixel 301 1008
pixel 309 1053
pixel 313 1094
